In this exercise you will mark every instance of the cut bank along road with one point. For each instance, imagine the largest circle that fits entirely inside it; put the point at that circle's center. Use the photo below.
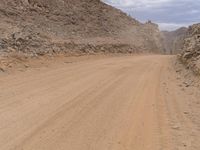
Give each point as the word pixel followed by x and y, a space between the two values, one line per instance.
pixel 112 103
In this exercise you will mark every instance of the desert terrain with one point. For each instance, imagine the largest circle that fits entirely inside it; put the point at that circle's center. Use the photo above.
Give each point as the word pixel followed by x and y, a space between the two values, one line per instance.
pixel 115 102
pixel 83 75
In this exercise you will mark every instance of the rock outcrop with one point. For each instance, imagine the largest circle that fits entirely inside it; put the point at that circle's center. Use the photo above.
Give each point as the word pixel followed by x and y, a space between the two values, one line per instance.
pixel 39 27
pixel 191 49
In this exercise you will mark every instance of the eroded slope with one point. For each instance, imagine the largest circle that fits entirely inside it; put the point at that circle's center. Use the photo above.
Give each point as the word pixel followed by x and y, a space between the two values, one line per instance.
pixel 38 27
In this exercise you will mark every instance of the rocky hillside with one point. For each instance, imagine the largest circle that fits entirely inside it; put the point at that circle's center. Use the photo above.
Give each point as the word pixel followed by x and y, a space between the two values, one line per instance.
pixel 191 49
pixel 39 27
pixel 173 40
pixel 153 40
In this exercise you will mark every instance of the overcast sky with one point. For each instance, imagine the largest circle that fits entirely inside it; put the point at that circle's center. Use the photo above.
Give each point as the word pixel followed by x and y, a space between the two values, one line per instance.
pixel 169 14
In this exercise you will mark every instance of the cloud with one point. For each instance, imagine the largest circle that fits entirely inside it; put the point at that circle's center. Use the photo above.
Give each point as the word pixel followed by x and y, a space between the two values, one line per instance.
pixel 170 14
pixel 137 3
pixel 171 26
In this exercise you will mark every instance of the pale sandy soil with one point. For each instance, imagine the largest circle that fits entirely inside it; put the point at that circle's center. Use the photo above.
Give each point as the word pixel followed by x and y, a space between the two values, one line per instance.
pixel 111 103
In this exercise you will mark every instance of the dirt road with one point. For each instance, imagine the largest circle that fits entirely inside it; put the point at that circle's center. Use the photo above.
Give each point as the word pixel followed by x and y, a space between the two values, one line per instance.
pixel 117 103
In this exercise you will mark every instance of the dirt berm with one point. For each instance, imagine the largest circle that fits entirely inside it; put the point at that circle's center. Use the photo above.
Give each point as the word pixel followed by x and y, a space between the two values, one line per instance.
pixel 47 27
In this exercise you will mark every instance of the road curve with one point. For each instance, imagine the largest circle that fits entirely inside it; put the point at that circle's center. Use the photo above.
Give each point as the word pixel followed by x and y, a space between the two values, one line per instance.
pixel 112 103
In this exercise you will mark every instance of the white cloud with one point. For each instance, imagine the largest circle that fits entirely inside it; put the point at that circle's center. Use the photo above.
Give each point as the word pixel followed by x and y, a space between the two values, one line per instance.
pixel 174 26
pixel 137 3
pixel 171 26
pixel 194 11
pixel 169 14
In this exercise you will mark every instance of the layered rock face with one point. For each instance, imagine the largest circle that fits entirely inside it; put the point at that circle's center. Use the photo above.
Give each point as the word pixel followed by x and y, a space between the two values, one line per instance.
pixel 39 27
pixel 191 49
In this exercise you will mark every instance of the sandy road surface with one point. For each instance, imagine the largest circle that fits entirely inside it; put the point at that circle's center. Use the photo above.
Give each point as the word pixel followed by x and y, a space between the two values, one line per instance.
pixel 117 103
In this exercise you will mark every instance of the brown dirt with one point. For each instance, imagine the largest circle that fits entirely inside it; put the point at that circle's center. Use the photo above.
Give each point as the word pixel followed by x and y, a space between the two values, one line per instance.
pixel 119 103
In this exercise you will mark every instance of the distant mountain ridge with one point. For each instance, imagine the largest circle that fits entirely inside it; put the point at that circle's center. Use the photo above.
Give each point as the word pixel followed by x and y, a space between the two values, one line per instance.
pixel 173 40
